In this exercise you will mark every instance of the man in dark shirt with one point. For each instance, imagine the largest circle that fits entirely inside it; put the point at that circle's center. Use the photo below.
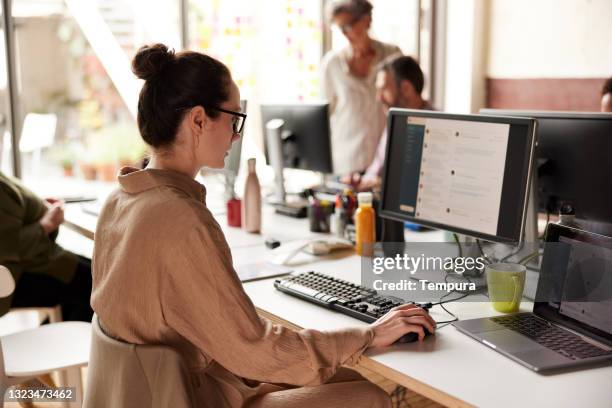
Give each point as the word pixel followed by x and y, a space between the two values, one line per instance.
pixel 400 83
pixel 46 275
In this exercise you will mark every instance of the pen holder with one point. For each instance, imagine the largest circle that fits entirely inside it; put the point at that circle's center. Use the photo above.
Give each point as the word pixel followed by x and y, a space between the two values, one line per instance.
pixel 319 213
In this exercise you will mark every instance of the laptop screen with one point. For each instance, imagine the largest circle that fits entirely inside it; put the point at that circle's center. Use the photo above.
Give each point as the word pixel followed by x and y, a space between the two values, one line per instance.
pixel 575 283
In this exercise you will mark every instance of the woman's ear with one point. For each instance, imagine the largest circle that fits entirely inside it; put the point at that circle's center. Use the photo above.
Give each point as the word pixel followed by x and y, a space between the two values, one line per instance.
pixel 197 119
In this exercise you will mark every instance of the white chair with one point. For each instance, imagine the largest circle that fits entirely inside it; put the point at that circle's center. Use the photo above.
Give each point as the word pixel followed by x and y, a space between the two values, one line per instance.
pixel 37 133
pixel 53 347
pixel 24 318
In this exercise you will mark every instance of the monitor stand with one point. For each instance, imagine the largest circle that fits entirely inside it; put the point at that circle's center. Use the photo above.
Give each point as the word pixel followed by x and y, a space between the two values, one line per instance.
pixel 532 239
pixel 392 237
pixel 298 209
pixel 530 232
pixel 472 251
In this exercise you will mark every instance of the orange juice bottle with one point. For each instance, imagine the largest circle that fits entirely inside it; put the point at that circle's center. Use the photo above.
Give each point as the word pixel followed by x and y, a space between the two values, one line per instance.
pixel 365 229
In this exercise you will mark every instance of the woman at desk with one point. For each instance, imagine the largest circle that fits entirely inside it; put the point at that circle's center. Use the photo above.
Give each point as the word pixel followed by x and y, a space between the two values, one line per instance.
pixel 162 270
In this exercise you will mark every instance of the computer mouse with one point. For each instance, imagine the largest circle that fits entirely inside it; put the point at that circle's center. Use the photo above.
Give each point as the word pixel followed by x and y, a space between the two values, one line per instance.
pixel 411 337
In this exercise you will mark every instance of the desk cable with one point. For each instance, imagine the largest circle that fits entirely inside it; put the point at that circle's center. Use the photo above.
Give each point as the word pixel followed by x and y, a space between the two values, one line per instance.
pixel 461 294
pixel 442 301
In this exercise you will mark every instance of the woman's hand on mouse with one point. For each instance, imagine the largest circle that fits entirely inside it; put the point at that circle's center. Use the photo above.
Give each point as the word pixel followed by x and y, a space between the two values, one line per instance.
pixel 400 320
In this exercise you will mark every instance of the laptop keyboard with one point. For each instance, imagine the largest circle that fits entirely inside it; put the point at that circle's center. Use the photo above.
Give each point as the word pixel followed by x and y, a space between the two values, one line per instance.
pixel 550 336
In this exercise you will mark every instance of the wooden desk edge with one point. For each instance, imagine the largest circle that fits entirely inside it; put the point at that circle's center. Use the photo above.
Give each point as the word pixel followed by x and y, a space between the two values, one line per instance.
pixel 393 375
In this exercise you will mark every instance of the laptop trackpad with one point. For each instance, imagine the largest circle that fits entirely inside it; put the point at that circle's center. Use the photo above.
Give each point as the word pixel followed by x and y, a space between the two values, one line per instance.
pixel 521 347
pixel 510 341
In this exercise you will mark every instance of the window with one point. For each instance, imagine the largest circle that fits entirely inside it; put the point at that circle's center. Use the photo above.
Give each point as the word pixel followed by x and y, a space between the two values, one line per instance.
pixel 77 99
pixel 77 96
pixel 6 150
pixel 272 47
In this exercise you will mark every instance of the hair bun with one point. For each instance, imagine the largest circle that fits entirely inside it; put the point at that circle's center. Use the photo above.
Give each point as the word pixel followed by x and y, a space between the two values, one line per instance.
pixel 151 60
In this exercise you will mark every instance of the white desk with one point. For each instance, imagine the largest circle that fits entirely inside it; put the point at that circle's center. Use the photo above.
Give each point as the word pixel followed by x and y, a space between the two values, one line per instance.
pixel 449 367
pixel 285 229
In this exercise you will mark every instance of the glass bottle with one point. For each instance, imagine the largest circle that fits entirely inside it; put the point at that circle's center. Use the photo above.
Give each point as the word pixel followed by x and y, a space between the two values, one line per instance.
pixel 251 204
pixel 365 228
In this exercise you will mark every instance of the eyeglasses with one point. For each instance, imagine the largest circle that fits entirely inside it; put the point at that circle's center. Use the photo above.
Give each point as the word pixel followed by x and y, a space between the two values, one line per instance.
pixel 237 121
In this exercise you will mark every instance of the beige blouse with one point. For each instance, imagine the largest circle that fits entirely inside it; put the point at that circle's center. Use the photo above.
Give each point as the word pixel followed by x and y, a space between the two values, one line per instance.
pixel 356 115
pixel 163 274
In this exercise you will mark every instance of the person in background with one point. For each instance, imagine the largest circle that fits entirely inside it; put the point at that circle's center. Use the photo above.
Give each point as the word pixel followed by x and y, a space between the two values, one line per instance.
pixel 606 96
pixel 349 84
pixel 163 271
pixel 46 275
pixel 400 84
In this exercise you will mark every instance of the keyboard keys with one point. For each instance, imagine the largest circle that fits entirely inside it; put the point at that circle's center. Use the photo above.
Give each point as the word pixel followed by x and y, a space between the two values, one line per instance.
pixel 561 341
pixel 347 297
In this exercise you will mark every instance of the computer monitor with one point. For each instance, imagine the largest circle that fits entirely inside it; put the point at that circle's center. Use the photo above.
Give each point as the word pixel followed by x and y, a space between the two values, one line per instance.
pixel 574 164
pixel 305 137
pixel 467 174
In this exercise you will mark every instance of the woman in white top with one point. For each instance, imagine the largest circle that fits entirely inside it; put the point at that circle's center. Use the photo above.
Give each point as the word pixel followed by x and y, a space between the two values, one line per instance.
pixel 349 84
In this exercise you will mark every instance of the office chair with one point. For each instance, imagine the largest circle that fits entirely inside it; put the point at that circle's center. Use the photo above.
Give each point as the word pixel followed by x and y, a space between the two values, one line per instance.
pixel 124 375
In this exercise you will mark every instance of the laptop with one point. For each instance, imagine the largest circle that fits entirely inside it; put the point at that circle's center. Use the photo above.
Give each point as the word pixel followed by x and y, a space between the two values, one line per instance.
pixel 571 322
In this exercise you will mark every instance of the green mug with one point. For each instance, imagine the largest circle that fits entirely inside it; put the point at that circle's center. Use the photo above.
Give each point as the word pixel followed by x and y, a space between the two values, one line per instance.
pixel 506 282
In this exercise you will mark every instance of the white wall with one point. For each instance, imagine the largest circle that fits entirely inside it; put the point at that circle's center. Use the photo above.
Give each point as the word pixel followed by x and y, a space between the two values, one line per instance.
pixel 522 39
pixel 550 39
pixel 464 88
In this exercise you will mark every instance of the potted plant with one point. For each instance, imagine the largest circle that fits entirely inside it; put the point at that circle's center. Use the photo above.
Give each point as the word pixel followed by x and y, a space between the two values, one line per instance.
pixel 65 156
pixel 88 170
pixel 68 166
pixel 87 164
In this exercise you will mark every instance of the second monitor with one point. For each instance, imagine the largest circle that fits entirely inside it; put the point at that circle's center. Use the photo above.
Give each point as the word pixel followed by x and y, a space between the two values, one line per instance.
pixel 305 136
pixel 574 167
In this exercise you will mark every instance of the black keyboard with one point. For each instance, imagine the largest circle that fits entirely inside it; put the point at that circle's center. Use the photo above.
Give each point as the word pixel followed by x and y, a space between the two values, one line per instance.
pixel 345 297
pixel 562 341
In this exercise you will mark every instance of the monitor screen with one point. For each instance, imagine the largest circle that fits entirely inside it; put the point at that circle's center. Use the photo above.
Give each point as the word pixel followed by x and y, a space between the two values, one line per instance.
pixel 467 174
pixel 573 159
pixel 306 141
